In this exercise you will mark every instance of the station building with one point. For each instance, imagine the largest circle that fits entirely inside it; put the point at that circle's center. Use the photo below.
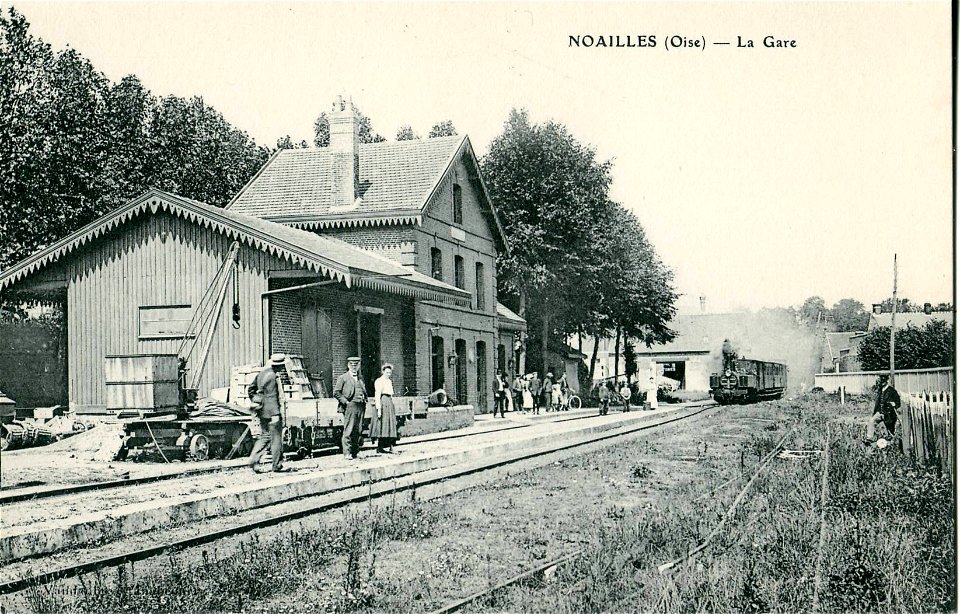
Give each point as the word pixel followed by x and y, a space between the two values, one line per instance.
pixel 383 250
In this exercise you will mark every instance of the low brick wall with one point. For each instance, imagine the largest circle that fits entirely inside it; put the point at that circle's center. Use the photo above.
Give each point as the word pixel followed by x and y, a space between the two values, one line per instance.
pixel 438 420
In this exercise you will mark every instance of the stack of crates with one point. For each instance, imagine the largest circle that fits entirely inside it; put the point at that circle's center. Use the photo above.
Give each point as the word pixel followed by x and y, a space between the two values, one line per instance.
pixel 296 381
pixel 293 378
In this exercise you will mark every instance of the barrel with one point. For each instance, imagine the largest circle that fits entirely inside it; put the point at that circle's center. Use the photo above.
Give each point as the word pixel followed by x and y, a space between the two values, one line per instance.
pixel 141 382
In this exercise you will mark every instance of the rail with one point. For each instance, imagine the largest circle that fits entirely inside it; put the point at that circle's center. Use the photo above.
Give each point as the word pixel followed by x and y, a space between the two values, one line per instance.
pixel 334 501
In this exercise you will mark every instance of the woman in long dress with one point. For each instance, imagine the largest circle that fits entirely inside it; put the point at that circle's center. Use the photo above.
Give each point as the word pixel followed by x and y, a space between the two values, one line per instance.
pixel 526 395
pixel 383 427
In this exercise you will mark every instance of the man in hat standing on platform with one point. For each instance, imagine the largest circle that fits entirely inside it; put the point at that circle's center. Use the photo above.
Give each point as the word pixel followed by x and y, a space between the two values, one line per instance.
pixel 351 396
pixel 266 399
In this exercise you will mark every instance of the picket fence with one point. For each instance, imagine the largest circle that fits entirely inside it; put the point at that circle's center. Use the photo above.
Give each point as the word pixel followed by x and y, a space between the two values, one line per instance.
pixel 928 429
pixel 908 381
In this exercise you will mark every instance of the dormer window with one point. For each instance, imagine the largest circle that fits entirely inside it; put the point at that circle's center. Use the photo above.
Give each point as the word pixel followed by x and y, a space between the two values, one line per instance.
pixel 457 204
pixel 436 264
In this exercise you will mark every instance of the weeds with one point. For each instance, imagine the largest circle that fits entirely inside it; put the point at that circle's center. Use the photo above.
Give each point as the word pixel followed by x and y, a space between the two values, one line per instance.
pixel 257 570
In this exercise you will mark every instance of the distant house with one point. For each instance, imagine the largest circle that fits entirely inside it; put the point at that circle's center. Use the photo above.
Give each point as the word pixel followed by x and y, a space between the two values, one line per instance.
pixel 695 353
pixel 840 352
pixel 562 359
pixel 918 319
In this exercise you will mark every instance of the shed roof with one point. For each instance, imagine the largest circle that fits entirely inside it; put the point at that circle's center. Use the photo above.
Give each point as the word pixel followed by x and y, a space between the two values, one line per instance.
pixel 510 318
pixel 324 255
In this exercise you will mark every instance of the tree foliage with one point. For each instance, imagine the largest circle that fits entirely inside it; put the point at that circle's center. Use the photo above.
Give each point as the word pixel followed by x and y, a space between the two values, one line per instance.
pixel 406 133
pixel 923 347
pixel 849 315
pixel 813 310
pixel 578 262
pixel 444 128
pixel 74 146
pixel 287 143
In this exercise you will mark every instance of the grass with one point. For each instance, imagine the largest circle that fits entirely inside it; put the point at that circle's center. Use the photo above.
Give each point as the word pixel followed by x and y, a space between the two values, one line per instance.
pixel 334 561
pixel 889 547
pixel 629 508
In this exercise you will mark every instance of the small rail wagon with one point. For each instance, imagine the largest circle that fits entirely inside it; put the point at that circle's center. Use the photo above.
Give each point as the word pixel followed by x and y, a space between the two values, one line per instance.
pixel 745 380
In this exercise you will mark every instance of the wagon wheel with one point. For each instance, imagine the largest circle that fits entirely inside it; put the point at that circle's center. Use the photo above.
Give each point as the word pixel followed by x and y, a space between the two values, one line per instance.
pixel 288 437
pixel 200 447
pixel 246 447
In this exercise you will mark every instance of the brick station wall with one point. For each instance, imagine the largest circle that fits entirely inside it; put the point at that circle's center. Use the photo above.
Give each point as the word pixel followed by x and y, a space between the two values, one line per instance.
pixel 395 242
pixel 396 327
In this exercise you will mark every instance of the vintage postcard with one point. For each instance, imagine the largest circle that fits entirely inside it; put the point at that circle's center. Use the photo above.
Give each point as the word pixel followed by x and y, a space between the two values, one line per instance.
pixel 369 307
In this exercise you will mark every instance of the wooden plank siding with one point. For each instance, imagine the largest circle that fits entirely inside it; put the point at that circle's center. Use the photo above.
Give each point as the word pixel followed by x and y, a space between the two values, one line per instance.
pixel 157 260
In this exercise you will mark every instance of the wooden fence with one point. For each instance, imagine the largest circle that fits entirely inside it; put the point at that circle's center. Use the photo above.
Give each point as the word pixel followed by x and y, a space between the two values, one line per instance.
pixel 928 429
pixel 908 381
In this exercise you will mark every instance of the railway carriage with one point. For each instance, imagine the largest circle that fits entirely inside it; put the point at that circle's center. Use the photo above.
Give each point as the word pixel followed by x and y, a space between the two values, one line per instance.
pixel 747 381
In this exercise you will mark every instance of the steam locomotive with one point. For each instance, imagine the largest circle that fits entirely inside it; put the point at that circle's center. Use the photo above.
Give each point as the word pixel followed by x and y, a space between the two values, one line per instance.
pixel 747 381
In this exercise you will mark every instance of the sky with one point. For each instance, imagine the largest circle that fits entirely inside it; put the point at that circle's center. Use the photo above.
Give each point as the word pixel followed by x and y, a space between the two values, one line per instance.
pixel 761 175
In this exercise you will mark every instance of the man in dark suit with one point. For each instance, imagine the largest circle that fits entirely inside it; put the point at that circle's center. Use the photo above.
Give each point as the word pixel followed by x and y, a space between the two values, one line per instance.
pixel 266 400
pixel 884 409
pixel 535 389
pixel 351 396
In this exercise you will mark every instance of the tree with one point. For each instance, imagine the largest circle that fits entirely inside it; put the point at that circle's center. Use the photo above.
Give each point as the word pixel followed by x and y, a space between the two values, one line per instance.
pixel 287 143
pixel 813 310
pixel 629 359
pixel 444 128
pixel 849 315
pixel 926 347
pixel 406 133
pixel 943 307
pixel 74 146
pixel 365 131
pixel 552 197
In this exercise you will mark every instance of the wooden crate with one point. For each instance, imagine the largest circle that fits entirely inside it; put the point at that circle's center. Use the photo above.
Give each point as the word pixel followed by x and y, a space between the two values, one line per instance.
pixel 141 382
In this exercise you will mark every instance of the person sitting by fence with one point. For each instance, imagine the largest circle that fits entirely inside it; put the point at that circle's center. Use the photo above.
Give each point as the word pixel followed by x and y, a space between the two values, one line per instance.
pixel 884 409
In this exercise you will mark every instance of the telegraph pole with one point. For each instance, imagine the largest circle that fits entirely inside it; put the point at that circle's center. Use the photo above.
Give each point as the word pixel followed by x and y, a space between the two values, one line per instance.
pixel 893 319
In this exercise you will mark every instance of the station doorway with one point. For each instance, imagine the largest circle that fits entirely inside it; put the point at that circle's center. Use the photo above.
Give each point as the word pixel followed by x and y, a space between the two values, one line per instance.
pixel 368 344
pixel 676 370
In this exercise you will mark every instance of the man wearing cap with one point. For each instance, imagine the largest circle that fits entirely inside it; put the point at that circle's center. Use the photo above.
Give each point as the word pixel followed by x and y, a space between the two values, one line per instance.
pixel 351 396
pixel 264 394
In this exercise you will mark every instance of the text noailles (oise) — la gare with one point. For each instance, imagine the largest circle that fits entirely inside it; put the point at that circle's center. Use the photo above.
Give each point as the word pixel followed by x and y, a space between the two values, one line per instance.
pixel 675 41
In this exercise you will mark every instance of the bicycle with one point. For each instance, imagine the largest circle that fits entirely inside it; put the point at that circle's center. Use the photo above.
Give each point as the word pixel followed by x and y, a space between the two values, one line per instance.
pixel 572 401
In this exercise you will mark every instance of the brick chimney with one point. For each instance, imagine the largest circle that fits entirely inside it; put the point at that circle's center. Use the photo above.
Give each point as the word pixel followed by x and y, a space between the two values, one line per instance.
pixel 345 149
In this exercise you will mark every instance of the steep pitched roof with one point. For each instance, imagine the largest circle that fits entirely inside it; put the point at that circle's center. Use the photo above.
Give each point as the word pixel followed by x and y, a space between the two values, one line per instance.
pixel 395 177
pixel 397 181
pixel 326 256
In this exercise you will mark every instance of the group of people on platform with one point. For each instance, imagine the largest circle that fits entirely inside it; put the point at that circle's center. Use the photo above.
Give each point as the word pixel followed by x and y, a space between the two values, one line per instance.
pixel 351 395
pixel 530 394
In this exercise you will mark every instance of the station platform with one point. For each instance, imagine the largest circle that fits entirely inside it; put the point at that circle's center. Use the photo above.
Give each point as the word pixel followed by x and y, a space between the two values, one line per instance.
pixel 47 525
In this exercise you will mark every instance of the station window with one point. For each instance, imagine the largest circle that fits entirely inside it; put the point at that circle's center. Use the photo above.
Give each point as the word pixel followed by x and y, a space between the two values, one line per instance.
pixel 164 321
pixel 437 368
pixel 436 263
pixel 481 288
pixel 457 204
pixel 459 276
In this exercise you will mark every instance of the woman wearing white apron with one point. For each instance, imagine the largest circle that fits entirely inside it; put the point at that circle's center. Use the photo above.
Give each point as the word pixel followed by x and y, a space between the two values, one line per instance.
pixel 383 427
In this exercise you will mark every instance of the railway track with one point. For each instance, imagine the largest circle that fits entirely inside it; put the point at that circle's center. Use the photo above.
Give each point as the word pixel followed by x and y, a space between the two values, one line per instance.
pixel 542 569
pixel 19 494
pixel 426 484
